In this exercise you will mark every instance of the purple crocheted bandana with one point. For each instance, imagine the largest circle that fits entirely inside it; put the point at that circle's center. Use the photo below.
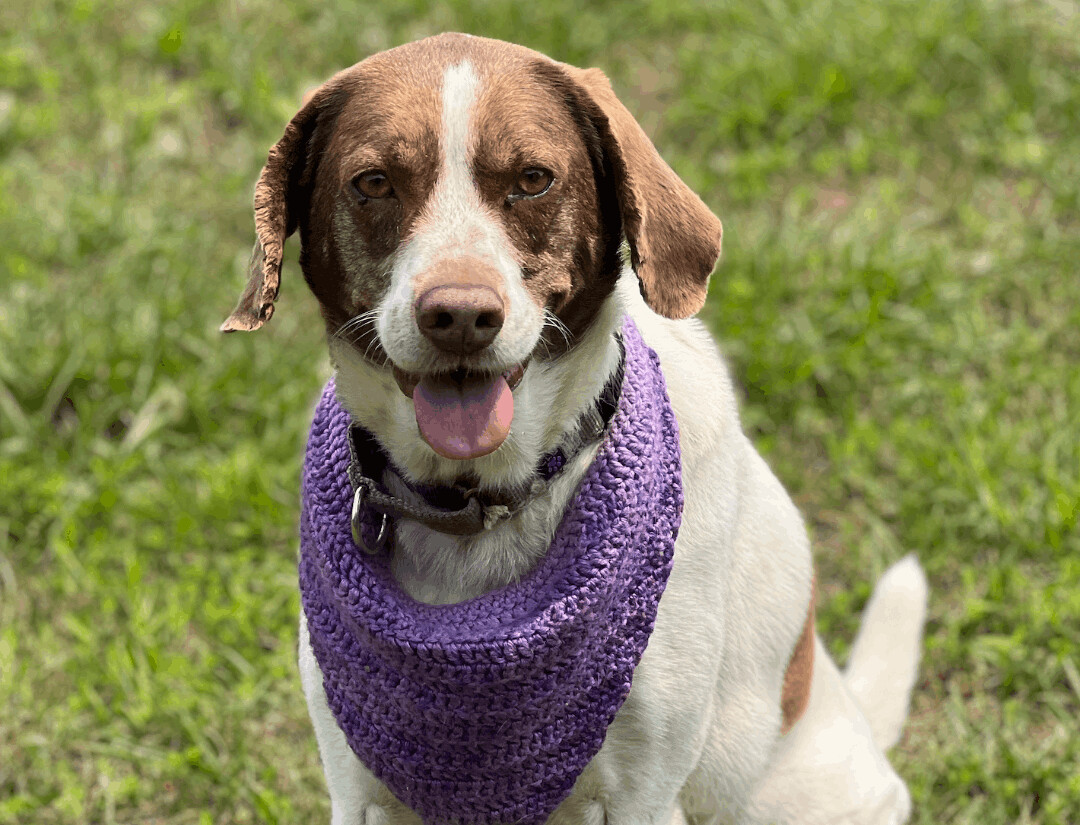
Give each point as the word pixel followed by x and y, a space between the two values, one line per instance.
pixel 487 711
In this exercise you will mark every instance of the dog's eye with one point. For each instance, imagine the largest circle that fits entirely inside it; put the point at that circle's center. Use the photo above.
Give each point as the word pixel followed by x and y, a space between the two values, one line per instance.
pixel 373 184
pixel 534 181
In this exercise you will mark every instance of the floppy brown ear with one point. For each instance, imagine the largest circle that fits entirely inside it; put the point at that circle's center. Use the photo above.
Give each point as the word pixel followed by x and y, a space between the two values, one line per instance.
pixel 277 194
pixel 674 238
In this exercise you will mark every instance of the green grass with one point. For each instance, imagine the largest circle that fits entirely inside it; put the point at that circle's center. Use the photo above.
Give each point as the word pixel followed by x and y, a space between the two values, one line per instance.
pixel 898 299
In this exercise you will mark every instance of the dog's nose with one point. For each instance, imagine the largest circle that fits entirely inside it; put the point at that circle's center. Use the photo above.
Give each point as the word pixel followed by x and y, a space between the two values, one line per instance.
pixel 460 319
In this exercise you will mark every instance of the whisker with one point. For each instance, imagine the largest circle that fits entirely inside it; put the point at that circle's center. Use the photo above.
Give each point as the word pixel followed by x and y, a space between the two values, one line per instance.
pixel 367 350
pixel 357 330
pixel 550 319
pixel 356 323
pixel 355 327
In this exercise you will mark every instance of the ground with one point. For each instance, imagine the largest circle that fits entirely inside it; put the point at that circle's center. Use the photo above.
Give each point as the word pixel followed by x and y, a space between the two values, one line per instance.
pixel 898 299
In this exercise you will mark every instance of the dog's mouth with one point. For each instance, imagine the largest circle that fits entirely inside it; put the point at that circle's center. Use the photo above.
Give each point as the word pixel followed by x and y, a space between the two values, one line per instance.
pixel 463 414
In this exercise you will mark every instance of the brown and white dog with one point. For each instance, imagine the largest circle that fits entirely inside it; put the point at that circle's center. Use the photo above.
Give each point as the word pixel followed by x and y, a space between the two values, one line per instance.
pixel 462 203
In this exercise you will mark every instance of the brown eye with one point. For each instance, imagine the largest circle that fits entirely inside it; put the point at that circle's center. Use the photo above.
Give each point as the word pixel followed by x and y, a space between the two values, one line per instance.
pixel 373 184
pixel 533 181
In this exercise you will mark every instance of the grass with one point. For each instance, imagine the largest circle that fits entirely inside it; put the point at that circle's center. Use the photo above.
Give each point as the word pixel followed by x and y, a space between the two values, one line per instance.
pixel 898 299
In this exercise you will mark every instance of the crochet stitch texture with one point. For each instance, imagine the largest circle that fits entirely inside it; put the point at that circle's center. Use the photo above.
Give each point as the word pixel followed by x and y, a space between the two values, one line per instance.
pixel 485 712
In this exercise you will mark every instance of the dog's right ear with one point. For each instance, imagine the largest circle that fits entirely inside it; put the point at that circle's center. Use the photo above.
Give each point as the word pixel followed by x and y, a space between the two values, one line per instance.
pixel 674 238
pixel 280 194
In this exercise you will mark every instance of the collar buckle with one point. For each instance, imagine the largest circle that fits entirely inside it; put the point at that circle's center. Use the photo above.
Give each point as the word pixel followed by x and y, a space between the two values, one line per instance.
pixel 363 488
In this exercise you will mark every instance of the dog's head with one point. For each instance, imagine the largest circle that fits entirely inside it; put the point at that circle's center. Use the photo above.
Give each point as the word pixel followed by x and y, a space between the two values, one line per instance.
pixel 461 205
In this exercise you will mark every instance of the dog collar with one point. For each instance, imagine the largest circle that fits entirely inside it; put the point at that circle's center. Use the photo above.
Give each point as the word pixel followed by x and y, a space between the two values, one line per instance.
pixel 459 509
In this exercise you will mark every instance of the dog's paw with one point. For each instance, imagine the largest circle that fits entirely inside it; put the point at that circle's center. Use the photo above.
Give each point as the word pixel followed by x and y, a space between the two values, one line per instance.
pixel 374 815
pixel 364 814
pixel 595 813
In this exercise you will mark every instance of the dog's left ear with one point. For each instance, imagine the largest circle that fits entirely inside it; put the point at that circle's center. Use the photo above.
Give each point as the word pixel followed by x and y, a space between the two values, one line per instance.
pixel 278 201
pixel 674 238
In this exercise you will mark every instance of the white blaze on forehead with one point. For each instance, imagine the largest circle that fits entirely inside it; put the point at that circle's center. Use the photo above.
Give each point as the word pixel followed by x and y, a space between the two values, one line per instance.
pixel 456 220
pixel 455 223
pixel 460 85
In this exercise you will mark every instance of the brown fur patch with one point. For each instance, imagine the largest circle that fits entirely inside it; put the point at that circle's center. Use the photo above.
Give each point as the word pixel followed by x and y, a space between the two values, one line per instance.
pixel 389 123
pixel 800 671
pixel 674 238
pixel 567 243
pixel 275 216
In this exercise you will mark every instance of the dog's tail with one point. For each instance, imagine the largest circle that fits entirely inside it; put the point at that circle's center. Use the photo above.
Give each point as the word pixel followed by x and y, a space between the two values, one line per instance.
pixel 884 660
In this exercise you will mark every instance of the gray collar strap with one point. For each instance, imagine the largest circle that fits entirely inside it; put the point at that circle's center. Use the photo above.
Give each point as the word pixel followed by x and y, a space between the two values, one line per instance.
pixel 460 509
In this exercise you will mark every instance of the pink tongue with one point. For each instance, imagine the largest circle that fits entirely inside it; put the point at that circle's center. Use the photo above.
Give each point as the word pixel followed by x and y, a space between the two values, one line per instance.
pixel 464 421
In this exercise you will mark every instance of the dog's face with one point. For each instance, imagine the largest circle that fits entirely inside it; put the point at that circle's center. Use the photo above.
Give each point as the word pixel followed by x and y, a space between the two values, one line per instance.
pixel 461 204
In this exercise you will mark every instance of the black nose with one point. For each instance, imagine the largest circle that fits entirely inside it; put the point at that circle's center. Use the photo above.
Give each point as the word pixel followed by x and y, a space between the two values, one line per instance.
pixel 460 319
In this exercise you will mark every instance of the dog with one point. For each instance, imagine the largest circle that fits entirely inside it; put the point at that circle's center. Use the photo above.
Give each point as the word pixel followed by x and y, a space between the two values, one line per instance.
pixel 465 208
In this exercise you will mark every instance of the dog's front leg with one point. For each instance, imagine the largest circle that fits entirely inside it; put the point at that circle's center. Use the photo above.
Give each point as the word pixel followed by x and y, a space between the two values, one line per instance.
pixel 595 812
pixel 356 796
pixel 677 816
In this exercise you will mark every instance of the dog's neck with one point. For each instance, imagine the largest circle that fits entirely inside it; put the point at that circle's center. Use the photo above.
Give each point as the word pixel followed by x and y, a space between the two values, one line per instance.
pixel 439 568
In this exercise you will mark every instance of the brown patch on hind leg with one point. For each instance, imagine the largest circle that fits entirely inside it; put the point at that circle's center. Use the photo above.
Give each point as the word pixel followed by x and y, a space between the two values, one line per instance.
pixel 800 671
